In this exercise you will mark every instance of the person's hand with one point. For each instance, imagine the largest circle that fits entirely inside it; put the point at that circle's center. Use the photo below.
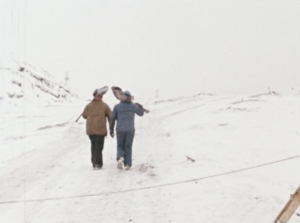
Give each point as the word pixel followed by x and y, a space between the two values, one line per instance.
pixel 112 134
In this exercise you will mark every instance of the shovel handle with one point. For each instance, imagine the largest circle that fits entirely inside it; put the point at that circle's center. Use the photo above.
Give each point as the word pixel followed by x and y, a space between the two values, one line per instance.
pixel 78 118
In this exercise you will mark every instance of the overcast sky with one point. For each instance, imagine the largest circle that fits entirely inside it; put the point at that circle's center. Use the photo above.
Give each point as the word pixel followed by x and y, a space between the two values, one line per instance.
pixel 178 48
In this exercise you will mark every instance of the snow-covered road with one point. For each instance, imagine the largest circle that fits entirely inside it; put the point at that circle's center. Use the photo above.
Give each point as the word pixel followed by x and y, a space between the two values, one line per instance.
pixel 46 174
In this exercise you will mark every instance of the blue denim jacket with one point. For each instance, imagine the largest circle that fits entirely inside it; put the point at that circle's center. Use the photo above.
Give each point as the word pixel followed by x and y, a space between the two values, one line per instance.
pixel 124 113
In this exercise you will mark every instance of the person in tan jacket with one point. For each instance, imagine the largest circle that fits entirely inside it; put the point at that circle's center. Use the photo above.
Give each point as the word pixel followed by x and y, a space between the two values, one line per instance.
pixel 96 114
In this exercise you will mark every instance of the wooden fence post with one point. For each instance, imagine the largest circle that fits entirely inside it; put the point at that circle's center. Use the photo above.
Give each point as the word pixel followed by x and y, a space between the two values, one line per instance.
pixel 289 209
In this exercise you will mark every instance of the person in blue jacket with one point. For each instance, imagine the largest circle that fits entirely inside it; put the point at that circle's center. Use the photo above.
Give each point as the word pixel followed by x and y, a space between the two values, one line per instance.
pixel 124 114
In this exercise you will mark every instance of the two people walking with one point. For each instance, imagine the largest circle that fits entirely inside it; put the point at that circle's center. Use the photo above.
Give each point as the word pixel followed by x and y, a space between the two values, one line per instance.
pixel 97 113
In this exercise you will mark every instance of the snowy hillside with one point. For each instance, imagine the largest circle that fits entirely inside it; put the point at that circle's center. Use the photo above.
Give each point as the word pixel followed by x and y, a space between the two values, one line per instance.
pixel 32 85
pixel 204 158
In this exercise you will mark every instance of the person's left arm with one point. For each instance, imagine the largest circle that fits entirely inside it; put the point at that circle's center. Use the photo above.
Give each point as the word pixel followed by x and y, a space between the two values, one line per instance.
pixel 85 112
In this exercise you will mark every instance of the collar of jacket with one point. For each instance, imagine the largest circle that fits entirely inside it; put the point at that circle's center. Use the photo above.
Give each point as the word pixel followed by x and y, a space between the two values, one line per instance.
pixel 97 99
pixel 126 101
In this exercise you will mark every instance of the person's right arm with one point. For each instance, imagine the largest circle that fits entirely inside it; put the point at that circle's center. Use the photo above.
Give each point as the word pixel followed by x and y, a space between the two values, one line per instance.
pixel 113 118
pixel 138 110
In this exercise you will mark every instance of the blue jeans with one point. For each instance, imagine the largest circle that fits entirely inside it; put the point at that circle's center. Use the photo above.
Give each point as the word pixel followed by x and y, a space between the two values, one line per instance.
pixel 124 147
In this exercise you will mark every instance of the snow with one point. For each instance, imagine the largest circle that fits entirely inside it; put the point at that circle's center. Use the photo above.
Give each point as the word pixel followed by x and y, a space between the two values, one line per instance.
pixel 188 153
pixel 35 85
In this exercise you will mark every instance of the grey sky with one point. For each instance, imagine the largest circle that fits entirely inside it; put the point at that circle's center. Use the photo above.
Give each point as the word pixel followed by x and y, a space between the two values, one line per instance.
pixel 178 47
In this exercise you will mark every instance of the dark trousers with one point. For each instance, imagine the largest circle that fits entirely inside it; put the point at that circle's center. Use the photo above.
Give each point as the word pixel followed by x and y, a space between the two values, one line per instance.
pixel 97 143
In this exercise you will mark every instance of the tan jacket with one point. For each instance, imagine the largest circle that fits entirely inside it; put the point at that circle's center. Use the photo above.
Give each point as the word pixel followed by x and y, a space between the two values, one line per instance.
pixel 96 113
